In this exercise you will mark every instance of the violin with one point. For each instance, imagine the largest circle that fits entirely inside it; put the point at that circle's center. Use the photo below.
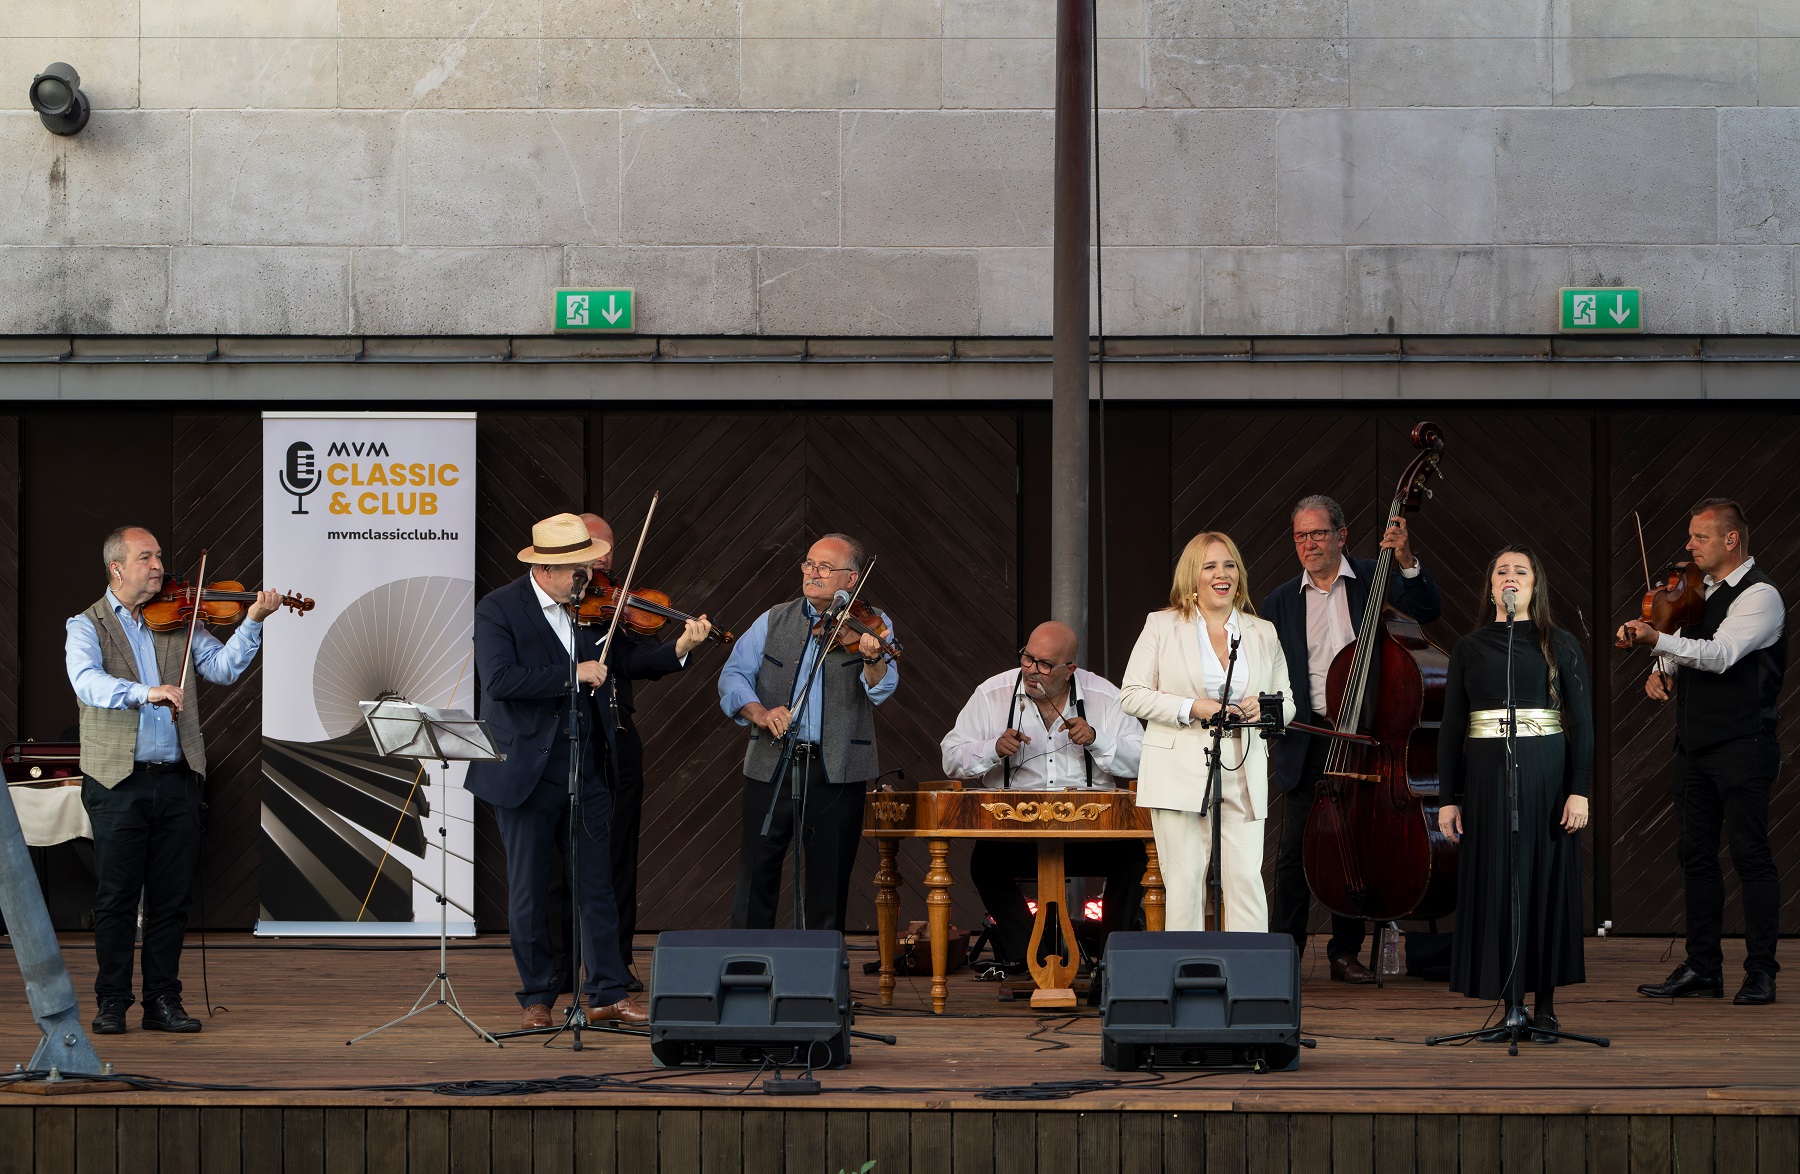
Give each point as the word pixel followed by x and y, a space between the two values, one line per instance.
pixel 863 620
pixel 1679 603
pixel 220 604
pixel 646 611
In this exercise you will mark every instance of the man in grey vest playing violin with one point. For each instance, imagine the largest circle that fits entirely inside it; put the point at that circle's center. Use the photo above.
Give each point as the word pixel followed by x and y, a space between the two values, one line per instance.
pixel 142 766
pixel 834 751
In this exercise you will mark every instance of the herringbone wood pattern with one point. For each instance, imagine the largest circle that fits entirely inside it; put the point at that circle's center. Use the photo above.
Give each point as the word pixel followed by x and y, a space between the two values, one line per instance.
pixel 218 507
pixel 527 468
pixel 1663 463
pixel 744 495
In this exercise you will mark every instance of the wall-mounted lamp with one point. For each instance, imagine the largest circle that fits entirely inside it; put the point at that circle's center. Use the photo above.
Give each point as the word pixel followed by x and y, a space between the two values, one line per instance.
pixel 56 96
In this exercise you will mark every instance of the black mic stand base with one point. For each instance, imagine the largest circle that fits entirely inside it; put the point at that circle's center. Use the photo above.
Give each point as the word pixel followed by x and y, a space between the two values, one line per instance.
pixel 1516 1026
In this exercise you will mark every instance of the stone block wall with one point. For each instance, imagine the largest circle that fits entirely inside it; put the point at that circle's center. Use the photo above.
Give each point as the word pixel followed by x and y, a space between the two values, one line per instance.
pixel 883 167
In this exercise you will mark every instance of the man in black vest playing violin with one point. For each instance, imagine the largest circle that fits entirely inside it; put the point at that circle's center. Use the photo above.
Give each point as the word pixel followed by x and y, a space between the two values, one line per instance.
pixel 1317 614
pixel 1725 674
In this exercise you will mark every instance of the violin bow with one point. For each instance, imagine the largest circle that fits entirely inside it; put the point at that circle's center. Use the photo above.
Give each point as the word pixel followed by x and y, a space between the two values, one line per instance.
pixel 625 587
pixel 1643 553
pixel 187 657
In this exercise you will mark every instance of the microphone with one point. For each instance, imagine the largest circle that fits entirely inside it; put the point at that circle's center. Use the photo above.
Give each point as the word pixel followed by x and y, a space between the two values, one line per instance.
pixel 1510 597
pixel 577 585
pixel 840 601
pixel 298 476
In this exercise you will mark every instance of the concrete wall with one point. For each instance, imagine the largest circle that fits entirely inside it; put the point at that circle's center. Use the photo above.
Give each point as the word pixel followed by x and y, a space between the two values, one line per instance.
pixel 883 167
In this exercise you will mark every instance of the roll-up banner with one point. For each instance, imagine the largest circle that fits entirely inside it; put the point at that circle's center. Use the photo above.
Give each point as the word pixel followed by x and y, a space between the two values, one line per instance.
pixel 372 514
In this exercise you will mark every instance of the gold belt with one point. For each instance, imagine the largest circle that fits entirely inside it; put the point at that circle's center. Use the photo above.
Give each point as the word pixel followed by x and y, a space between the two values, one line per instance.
pixel 1533 723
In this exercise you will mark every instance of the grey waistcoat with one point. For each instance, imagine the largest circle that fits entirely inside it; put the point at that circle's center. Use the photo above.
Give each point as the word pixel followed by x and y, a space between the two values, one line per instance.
pixel 846 728
pixel 109 736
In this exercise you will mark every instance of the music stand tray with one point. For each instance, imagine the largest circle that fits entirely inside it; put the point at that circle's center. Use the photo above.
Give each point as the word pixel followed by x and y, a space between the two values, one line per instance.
pixel 404 730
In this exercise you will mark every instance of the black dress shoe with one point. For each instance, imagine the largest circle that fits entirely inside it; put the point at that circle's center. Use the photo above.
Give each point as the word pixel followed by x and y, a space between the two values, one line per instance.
pixel 165 1013
pixel 1683 982
pixel 1348 969
pixel 1547 1022
pixel 634 985
pixel 110 1019
pixel 1758 989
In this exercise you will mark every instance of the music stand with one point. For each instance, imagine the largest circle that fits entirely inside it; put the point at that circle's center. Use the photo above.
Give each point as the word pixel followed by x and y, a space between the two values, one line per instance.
pixel 404 730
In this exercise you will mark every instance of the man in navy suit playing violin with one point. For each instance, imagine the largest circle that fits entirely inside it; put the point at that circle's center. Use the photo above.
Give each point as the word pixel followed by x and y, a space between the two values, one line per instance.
pixel 527 647
pixel 1316 613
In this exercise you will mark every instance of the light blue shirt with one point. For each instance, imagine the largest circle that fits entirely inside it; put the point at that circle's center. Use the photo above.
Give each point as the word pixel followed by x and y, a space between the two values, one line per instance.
pixel 737 681
pixel 157 739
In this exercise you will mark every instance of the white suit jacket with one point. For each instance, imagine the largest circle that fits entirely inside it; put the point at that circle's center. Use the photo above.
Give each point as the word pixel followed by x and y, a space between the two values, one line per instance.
pixel 1165 671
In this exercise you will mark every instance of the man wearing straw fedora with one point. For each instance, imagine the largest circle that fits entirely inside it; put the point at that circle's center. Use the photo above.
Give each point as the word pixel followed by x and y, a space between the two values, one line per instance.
pixel 525 640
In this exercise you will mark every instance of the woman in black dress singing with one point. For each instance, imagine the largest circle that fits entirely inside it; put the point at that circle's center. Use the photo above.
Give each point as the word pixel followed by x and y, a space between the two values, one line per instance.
pixel 1555 749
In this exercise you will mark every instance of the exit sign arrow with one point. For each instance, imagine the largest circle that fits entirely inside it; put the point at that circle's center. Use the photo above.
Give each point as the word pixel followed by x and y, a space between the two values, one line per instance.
pixel 1603 310
pixel 595 311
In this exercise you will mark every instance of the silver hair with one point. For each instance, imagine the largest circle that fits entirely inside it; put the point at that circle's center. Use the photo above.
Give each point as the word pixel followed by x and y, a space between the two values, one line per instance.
pixel 857 554
pixel 1319 501
pixel 115 549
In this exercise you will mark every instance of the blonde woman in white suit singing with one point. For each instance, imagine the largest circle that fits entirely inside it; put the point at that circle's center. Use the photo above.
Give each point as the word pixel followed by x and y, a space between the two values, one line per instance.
pixel 1173 684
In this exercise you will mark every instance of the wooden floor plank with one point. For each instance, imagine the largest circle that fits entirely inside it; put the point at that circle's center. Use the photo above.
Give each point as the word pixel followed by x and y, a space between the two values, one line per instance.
pixel 1140 1143
pixel 1352 1143
pixel 261 1137
pixel 1734 1143
pixel 1777 1144
pixel 138 1148
pixel 596 1141
pixel 385 1130
pixel 303 1140
pixel 637 1146
pixel 1309 1141
pixel 1015 1143
pixel 508 1142
pixel 890 1141
pixel 1479 1139
pixel 553 1142
pixel 678 1135
pixel 932 1151
pixel 1649 1145
pixel 96 1140
pixel 1396 1144
pixel 1267 1143
pixel 763 1154
pixel 721 1141
pixel 178 1139
pixel 16 1155
pixel 471 1140
pixel 1565 1145
pixel 1522 1143
pixel 1609 1144
pixel 428 1141
pixel 53 1140
pixel 804 1150
pixel 846 1140
pixel 1057 1143
pixel 1225 1141
pixel 1097 1142
pixel 1691 1144
pixel 1439 1141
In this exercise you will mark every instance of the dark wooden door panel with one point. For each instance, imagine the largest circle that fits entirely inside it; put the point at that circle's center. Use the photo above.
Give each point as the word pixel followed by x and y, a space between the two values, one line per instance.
pixel 218 506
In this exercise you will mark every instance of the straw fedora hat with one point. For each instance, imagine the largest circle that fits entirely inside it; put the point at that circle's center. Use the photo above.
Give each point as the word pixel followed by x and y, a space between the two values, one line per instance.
pixel 561 540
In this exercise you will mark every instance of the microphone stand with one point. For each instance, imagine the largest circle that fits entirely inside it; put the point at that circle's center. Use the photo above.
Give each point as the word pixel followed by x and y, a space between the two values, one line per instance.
pixel 1215 792
pixel 1517 1024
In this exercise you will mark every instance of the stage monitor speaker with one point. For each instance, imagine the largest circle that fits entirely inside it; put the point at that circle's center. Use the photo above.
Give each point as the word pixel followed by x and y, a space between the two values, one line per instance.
pixel 1200 1000
pixel 748 997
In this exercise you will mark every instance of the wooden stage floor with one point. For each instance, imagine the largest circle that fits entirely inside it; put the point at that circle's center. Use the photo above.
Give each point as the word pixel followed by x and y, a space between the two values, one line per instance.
pixel 286 1008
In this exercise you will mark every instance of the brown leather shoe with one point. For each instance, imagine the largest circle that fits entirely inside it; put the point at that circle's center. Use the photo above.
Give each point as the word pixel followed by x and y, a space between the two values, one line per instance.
pixel 536 1015
pixel 624 1012
pixel 1351 971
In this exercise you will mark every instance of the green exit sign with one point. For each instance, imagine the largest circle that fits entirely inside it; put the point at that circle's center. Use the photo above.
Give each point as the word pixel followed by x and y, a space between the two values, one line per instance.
pixel 1602 311
pixel 581 311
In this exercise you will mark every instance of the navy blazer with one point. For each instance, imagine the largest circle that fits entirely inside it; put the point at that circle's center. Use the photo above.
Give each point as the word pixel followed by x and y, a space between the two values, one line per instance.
pixel 1285 607
pixel 522 671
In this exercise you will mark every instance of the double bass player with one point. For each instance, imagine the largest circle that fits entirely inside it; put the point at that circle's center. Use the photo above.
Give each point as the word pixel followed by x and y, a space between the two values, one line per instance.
pixel 1316 614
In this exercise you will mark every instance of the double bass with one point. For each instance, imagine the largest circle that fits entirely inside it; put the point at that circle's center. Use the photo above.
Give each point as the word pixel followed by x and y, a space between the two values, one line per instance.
pixel 1372 848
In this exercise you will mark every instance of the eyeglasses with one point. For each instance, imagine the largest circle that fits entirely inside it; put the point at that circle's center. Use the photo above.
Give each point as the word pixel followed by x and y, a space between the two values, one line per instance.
pixel 812 568
pixel 1303 536
pixel 1028 661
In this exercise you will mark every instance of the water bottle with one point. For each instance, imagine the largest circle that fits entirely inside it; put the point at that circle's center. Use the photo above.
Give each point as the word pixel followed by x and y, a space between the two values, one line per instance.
pixel 1390 950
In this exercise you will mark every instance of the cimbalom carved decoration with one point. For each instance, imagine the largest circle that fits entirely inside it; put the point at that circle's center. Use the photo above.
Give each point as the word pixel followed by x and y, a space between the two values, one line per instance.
pixel 1049 812
pixel 890 810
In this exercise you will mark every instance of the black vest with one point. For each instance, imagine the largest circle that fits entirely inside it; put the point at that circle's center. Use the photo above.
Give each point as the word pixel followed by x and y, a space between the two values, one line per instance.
pixel 1715 707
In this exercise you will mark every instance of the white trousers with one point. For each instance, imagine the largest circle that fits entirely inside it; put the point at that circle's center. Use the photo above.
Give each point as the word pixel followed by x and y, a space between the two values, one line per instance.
pixel 1184 849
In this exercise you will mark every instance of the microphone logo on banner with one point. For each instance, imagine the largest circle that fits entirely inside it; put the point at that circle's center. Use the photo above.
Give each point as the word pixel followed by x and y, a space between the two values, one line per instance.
pixel 298 475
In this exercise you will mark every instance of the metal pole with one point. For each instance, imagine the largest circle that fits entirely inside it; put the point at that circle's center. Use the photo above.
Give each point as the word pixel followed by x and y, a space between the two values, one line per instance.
pixel 1069 322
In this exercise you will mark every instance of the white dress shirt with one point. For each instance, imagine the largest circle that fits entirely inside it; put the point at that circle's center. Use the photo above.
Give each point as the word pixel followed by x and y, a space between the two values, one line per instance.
pixel 1329 629
pixel 1753 622
pixel 556 612
pixel 1049 762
